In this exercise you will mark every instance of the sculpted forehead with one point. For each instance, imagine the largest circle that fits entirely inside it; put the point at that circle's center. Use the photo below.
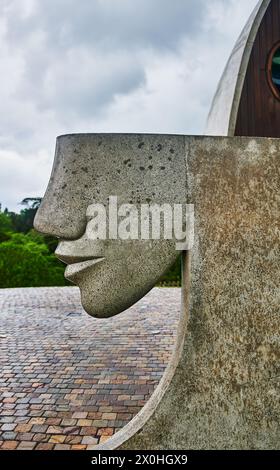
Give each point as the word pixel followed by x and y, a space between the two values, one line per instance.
pixel 88 168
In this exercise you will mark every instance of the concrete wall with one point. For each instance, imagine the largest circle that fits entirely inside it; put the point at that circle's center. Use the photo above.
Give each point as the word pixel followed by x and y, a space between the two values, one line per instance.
pixel 224 392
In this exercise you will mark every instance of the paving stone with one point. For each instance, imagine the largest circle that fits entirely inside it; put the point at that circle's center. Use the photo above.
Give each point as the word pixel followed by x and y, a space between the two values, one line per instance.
pixel 104 439
pixel 84 422
pixel 72 430
pixel 6 419
pixel 57 439
pixel 44 446
pixel 73 439
pixel 68 422
pixel 37 421
pixel 27 436
pixel 124 416
pixel 95 415
pixel 8 427
pixel 53 421
pixel 40 437
pixel 7 394
pixel 109 416
pixel 62 447
pixel 78 447
pixel 105 432
pixel 79 415
pixel 26 445
pixel 59 385
pixel 99 423
pixel 54 430
pixel 88 431
pixel 9 445
pixel 41 428
pixel 89 440
pixel 9 436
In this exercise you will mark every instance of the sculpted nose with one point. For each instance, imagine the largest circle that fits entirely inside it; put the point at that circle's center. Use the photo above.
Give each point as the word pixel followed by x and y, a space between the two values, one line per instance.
pixel 71 252
pixel 60 222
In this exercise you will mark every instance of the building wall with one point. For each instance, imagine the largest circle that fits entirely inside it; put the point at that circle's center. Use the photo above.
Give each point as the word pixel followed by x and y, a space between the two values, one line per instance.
pixel 259 109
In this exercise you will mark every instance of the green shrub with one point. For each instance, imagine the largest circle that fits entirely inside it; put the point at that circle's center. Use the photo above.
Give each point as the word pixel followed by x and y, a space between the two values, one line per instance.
pixel 5 227
pixel 26 263
pixel 172 278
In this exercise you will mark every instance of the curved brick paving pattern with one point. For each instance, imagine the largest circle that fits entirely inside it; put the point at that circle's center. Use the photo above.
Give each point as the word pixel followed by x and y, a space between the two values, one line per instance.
pixel 69 381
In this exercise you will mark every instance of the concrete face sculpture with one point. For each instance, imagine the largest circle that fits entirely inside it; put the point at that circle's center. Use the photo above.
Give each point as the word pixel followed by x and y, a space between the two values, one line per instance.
pixel 88 169
pixel 221 388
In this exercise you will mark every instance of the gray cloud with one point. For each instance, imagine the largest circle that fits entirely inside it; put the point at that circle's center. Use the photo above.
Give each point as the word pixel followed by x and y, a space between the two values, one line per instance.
pixel 110 23
pixel 108 66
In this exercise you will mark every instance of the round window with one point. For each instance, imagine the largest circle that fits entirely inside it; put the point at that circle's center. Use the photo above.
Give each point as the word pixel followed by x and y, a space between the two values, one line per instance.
pixel 274 71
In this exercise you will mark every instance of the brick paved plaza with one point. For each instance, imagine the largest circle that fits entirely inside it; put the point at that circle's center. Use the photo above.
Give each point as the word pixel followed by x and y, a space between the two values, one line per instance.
pixel 69 381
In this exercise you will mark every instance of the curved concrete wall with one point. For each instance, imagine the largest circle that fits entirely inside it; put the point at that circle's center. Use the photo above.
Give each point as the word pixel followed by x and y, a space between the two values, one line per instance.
pixel 223 113
pixel 224 392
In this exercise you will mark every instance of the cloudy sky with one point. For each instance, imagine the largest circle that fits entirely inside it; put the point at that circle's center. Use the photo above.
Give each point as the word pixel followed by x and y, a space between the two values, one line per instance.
pixel 104 66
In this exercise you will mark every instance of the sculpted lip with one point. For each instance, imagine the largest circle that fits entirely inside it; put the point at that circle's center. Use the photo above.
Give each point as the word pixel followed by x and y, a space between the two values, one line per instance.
pixel 75 268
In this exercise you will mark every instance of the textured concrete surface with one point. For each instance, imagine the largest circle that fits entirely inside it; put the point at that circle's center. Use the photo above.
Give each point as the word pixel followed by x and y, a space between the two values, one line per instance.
pixel 225 391
pixel 223 113
pixel 89 168
pixel 68 381
pixel 224 394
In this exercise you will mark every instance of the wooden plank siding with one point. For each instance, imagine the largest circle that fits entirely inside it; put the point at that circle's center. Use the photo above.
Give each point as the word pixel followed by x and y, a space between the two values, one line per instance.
pixel 259 110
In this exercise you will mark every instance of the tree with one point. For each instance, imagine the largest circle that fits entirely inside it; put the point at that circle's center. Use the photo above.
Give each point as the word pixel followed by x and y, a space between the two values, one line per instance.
pixel 5 226
pixel 26 257
pixel 23 222
pixel 32 202
pixel 26 263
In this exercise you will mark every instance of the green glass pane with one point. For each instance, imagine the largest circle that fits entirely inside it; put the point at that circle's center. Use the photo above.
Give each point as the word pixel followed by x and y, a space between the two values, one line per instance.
pixel 275 70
